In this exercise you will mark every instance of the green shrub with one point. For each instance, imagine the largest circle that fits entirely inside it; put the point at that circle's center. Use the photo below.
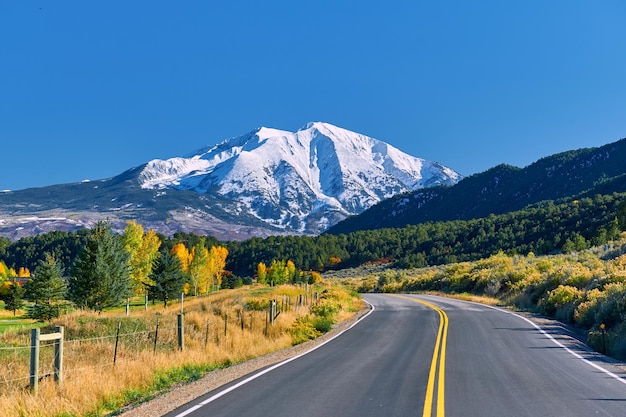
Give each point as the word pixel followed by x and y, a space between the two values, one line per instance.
pixel 324 309
pixel 303 330
pixel 323 324
pixel 257 304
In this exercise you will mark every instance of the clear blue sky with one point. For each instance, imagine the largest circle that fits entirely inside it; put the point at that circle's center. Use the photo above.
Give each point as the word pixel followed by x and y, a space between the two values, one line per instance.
pixel 89 89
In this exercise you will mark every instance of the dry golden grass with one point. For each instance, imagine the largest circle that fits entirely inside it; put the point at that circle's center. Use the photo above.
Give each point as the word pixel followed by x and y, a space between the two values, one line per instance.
pixel 92 385
pixel 482 299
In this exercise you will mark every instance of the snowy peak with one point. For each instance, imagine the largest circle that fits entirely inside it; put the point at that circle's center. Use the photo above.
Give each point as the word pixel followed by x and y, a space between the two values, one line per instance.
pixel 303 181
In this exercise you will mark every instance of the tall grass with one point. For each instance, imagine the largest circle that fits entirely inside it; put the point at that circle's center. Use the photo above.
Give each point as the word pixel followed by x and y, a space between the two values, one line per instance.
pixel 220 329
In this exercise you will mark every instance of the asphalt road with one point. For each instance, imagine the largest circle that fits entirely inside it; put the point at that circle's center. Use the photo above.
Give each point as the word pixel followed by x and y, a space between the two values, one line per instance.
pixel 429 356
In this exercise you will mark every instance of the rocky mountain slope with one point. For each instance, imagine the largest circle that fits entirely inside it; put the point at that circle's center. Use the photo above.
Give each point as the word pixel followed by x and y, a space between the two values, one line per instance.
pixel 266 182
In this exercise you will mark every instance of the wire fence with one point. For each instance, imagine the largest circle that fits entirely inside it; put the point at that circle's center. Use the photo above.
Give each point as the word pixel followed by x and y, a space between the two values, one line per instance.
pixel 86 353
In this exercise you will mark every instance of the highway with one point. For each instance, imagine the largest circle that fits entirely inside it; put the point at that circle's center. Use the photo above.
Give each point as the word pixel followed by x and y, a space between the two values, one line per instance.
pixel 417 355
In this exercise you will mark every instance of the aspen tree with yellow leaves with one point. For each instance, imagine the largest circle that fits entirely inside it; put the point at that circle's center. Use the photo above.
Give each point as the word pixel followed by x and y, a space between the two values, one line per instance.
pixel 261 273
pixel 4 272
pixel 218 257
pixel 23 272
pixel 291 271
pixel 143 250
pixel 182 253
pixel 204 268
pixel 199 268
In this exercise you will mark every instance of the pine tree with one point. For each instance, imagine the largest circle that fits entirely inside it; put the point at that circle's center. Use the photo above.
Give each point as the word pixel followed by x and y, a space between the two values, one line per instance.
pixel 100 278
pixel 168 278
pixel 14 299
pixel 46 290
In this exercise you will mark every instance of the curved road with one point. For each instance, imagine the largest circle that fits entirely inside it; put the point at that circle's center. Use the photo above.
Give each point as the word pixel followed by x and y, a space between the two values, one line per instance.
pixel 429 356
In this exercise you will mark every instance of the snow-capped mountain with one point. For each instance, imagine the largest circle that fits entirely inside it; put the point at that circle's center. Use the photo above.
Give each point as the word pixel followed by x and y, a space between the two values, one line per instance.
pixel 298 182
pixel 267 182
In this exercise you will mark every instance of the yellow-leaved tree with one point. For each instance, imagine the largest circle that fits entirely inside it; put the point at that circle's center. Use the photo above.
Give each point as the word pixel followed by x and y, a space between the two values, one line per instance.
pixel 199 268
pixel 184 256
pixel 182 253
pixel 217 262
pixel 23 272
pixel 145 258
pixel 4 272
pixel 261 273
pixel 143 250
pixel 291 271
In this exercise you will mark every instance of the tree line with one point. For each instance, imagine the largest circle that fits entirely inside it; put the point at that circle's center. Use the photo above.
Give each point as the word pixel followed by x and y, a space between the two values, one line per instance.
pixel 109 269
pixel 544 228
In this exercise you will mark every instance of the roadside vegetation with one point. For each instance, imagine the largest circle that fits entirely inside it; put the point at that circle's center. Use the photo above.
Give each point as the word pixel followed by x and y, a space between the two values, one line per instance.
pixel 220 329
pixel 565 259
pixel 141 312
pixel 586 289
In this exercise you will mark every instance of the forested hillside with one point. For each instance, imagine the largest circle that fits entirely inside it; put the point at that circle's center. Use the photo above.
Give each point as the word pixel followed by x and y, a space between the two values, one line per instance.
pixel 502 189
pixel 542 228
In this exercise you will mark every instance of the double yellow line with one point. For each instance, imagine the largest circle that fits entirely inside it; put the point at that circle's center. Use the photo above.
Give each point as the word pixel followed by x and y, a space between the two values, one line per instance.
pixel 439 357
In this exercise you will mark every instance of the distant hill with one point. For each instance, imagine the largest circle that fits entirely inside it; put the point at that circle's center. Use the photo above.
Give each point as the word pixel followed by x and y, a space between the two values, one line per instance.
pixel 502 189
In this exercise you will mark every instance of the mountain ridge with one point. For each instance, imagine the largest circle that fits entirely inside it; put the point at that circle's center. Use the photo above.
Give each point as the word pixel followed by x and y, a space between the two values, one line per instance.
pixel 265 182
pixel 284 177
pixel 501 189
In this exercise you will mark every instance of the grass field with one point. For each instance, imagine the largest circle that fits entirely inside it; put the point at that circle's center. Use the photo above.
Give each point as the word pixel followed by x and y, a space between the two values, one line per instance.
pixel 220 329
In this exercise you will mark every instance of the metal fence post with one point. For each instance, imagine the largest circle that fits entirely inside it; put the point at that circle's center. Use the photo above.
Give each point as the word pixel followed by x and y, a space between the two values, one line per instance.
pixel 181 331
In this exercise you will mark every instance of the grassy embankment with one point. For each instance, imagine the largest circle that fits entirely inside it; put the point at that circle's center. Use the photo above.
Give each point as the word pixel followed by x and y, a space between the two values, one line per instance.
pixel 214 337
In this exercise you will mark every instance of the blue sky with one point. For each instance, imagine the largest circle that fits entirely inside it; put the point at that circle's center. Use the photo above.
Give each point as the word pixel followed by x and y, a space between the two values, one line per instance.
pixel 89 89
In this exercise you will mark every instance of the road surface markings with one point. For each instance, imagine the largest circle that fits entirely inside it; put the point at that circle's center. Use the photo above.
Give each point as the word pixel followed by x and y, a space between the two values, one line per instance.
pixel 556 342
pixel 271 368
pixel 439 355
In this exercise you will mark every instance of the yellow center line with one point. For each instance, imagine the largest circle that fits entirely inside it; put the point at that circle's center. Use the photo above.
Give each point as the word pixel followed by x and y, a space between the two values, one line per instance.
pixel 439 355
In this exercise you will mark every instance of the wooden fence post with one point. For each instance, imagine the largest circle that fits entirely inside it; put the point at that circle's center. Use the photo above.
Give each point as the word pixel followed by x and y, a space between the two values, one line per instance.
pixel 58 354
pixel 206 335
pixel 34 359
pixel 35 340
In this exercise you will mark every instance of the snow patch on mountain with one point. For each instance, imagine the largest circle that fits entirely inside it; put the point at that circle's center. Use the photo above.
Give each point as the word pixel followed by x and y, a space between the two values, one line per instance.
pixel 301 181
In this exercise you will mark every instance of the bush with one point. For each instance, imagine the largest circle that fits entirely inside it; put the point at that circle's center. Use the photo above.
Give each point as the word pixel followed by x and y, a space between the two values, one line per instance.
pixel 257 304
pixel 612 305
pixel 323 324
pixel 585 313
pixel 324 310
pixel 303 330
pixel 561 302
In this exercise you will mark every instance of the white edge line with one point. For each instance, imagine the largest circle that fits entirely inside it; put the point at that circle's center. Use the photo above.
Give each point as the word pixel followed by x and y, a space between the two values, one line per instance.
pixel 271 368
pixel 570 351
